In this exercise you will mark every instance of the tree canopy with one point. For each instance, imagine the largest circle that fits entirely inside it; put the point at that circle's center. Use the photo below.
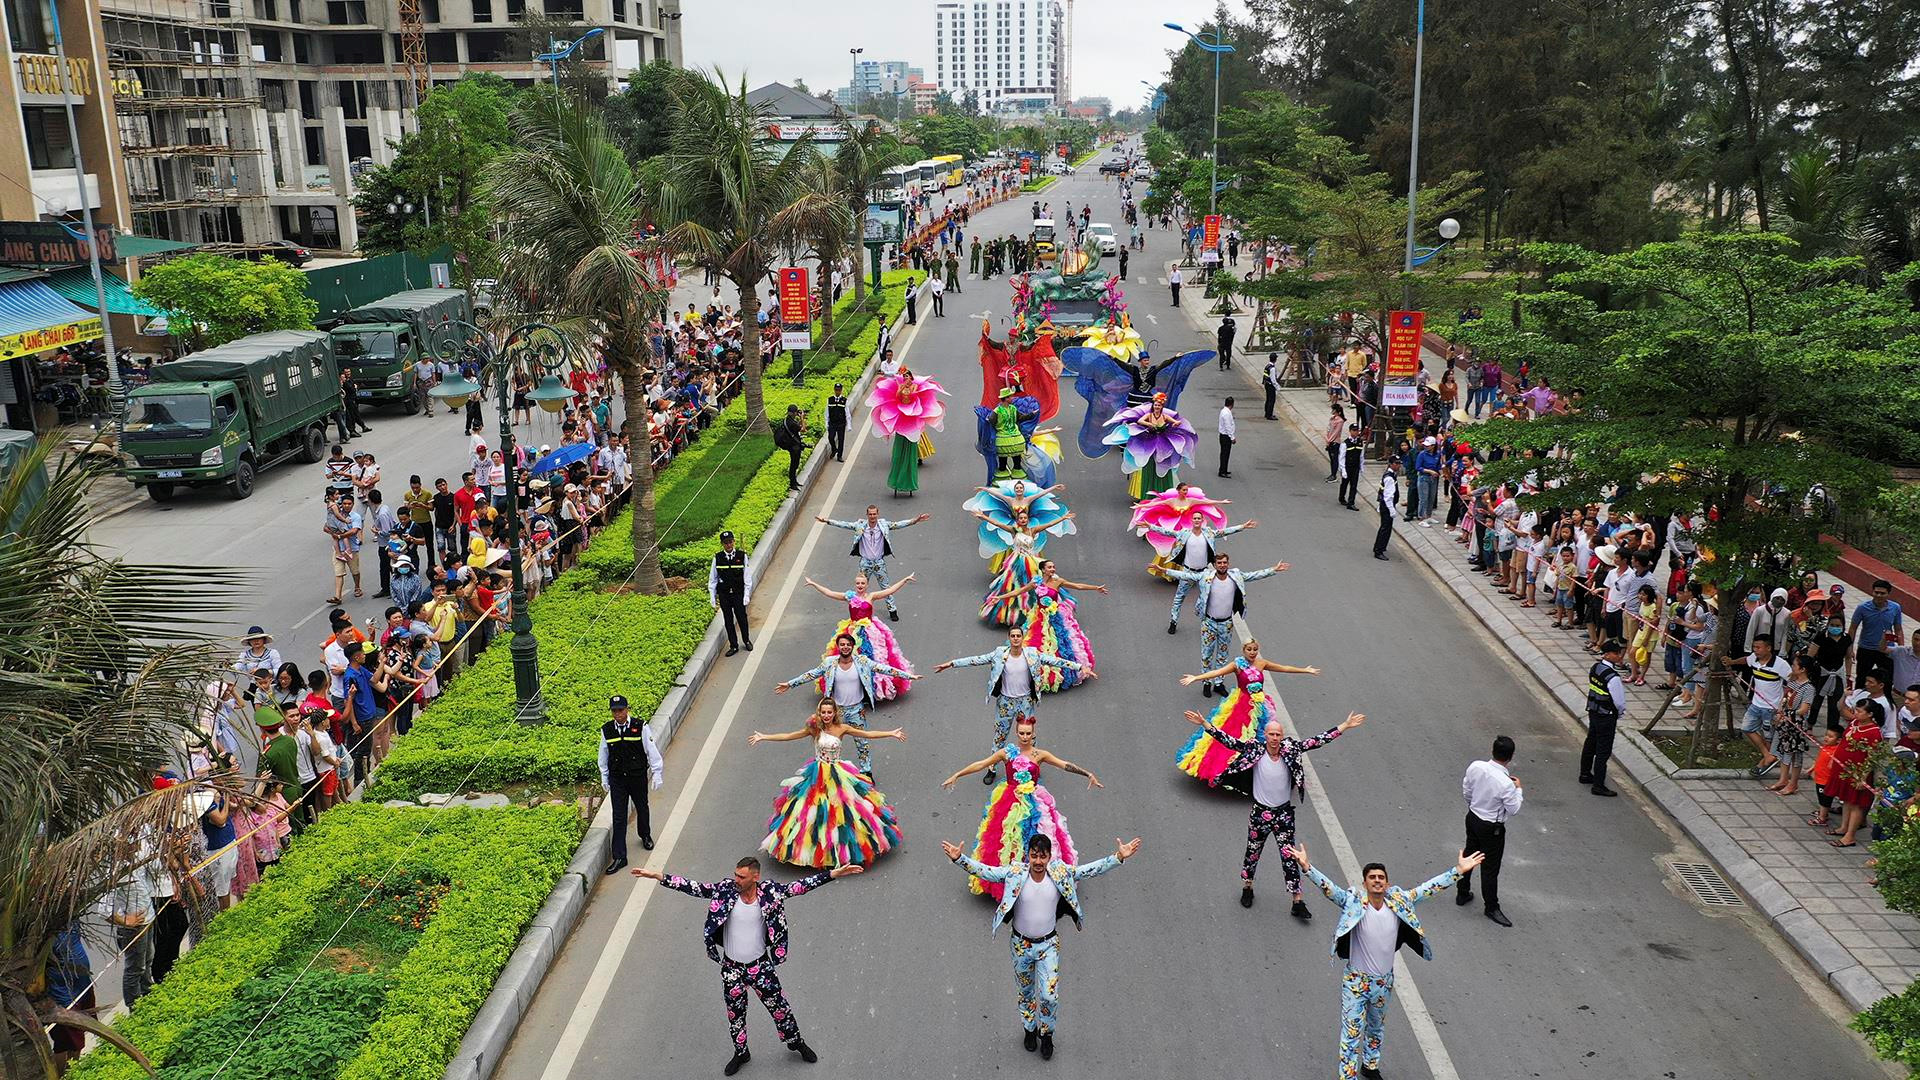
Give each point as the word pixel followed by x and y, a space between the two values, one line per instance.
pixel 212 299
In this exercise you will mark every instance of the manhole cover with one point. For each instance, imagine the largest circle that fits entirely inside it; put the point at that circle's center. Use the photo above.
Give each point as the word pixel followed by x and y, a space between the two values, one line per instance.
pixel 1707 884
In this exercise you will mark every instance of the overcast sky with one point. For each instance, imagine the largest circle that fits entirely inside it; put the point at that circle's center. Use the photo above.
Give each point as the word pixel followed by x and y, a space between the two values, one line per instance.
pixel 1116 43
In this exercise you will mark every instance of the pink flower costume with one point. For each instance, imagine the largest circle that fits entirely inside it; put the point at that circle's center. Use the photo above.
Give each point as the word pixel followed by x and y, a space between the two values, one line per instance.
pixel 873 640
pixel 906 408
pixel 1160 518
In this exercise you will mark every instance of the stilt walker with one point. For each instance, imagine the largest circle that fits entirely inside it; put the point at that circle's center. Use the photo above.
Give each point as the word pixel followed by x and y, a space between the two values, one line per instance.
pixel 906 408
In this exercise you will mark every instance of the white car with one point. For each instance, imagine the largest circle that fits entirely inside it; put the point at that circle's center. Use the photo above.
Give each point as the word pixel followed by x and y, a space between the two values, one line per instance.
pixel 1101 233
pixel 1060 168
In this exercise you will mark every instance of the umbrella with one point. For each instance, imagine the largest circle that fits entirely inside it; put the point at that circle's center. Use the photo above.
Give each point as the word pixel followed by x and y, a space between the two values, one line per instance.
pixel 563 457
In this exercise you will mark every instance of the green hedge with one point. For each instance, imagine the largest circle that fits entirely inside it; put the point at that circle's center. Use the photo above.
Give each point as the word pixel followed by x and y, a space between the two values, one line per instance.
pixel 397 1022
pixel 1041 184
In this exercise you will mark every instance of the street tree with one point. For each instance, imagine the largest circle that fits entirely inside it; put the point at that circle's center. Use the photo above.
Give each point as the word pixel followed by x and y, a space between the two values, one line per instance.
pixel 725 194
pixel 212 299
pixel 102 684
pixel 570 205
pixel 865 153
pixel 636 117
pixel 1720 374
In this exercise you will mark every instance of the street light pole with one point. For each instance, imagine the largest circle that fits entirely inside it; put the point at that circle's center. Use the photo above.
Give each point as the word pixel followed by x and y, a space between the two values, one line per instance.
pixel 116 390
pixel 1413 155
pixel 1217 46
pixel 558 51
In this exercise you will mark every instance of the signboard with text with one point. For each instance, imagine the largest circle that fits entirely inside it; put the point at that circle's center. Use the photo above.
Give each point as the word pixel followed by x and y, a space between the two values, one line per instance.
pixel 1211 238
pixel 1400 387
pixel 796 308
pixel 29 342
pixel 49 243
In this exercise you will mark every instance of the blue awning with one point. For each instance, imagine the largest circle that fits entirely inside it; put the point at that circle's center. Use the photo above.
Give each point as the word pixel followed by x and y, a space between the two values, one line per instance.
pixel 34 318
pixel 76 284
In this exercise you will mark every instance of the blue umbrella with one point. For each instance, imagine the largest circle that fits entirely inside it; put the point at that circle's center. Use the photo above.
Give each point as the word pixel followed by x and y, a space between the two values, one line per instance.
pixel 563 457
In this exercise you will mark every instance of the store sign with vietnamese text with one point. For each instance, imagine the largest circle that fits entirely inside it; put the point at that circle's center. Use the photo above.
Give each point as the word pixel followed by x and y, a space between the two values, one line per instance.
pixel 49 243
pixel 796 309
pixel 1400 385
pixel 29 342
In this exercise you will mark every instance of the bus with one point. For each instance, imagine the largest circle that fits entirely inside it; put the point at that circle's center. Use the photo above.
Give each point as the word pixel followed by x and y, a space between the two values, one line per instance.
pixel 925 170
pixel 949 171
pixel 899 183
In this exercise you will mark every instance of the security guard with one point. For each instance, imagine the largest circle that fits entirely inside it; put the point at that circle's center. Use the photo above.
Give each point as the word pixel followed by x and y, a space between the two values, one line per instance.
pixel 629 767
pixel 730 589
pixel 837 422
pixel 1606 700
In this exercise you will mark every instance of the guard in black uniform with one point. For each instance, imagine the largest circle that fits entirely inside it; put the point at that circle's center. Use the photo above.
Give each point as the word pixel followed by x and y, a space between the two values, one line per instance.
pixel 629 767
pixel 730 588
pixel 837 422
pixel 1606 700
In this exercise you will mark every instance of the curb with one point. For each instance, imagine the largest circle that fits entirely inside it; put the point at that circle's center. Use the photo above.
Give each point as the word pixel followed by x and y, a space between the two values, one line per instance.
pixel 1859 988
pixel 499 1017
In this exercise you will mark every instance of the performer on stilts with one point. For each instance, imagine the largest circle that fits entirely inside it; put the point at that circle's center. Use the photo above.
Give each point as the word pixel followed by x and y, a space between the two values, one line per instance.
pixel 1154 441
pixel 1035 897
pixel 1192 550
pixel 1053 626
pixel 1279 783
pixel 871 637
pixel 1222 594
pixel 1011 672
pixel 829 815
pixel 1375 920
pixel 746 934
pixel 1020 807
pixel 906 408
pixel 1244 713
pixel 874 546
pixel 847 679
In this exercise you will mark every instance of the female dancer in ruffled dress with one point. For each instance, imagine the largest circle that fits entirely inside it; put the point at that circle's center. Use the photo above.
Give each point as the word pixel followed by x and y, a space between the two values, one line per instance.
pixel 829 815
pixel 1019 806
pixel 1007 601
pixel 1052 627
pixel 1243 714
pixel 871 637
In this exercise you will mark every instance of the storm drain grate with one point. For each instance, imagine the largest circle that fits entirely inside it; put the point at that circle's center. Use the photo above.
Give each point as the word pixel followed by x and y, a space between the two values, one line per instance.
pixel 1707 884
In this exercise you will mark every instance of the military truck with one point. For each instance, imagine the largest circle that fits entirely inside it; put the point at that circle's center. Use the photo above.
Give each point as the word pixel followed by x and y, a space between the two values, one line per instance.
pixel 379 343
pixel 219 416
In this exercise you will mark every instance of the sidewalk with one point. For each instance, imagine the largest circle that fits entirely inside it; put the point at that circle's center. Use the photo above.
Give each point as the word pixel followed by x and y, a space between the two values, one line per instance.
pixel 1816 895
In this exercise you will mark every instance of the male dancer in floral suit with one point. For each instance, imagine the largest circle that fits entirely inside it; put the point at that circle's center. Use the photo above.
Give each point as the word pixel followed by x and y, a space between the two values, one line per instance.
pixel 874 547
pixel 1013 681
pixel 746 934
pixel 847 678
pixel 1375 920
pixel 1222 595
pixel 1278 780
pixel 1036 895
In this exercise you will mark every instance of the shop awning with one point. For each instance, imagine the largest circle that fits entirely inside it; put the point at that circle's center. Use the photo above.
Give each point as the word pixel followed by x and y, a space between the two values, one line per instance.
pixel 34 318
pixel 76 284
pixel 134 247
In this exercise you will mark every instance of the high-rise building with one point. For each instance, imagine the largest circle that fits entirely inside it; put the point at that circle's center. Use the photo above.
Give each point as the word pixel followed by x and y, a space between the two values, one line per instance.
pixel 878 78
pixel 1015 56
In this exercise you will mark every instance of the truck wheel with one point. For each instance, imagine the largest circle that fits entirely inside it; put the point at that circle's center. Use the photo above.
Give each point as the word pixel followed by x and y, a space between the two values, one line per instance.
pixel 241 485
pixel 160 493
pixel 313 445
pixel 413 401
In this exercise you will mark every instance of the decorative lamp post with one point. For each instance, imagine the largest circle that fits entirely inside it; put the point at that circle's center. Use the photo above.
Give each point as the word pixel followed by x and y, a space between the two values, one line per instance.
pixel 558 50
pixel 1215 45
pixel 542 351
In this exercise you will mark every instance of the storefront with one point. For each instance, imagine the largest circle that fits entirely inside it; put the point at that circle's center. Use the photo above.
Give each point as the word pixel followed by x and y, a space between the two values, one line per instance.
pixel 50 358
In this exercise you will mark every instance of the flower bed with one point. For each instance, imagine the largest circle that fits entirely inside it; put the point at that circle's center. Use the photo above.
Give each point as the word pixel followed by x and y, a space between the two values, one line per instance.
pixel 374 942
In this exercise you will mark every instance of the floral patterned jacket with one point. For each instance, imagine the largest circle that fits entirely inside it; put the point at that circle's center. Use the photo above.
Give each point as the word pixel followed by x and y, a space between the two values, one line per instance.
pixel 1399 901
pixel 1065 878
pixel 773 897
pixel 1246 752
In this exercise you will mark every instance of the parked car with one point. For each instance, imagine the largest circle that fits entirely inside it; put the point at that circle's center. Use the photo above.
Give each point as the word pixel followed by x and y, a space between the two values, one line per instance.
pixel 1109 168
pixel 285 250
pixel 1101 233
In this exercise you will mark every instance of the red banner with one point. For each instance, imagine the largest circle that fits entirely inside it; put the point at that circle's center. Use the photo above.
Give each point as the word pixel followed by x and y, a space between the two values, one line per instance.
pixel 1065 151
pixel 1404 331
pixel 796 300
pixel 1212 238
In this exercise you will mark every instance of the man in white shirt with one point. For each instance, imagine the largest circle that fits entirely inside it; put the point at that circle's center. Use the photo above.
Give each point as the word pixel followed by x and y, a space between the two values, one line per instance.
pixel 1493 795
pixel 1173 282
pixel 1222 595
pixel 1228 433
pixel 938 288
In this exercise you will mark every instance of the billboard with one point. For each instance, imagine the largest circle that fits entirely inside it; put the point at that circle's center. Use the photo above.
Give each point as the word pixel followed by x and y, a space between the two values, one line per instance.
pixel 49 243
pixel 1399 386
pixel 885 223
pixel 796 308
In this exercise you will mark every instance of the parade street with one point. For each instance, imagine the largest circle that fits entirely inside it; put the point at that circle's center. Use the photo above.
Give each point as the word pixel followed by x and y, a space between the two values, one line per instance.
pixel 1611 969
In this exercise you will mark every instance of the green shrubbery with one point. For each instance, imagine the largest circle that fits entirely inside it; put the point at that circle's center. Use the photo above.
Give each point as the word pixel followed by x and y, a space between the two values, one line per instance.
pixel 380 998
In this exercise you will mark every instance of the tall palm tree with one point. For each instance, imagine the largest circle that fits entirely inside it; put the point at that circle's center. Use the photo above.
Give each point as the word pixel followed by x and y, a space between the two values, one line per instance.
pixel 727 194
pixel 101 677
pixel 864 154
pixel 570 204
pixel 830 240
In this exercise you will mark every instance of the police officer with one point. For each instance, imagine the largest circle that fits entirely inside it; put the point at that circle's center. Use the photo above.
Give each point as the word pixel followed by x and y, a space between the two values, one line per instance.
pixel 1606 700
pixel 1270 381
pixel 1389 491
pixel 837 422
pixel 629 767
pixel 730 589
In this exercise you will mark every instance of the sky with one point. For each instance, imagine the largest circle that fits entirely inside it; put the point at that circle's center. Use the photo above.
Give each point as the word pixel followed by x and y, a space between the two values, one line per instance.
pixel 1116 43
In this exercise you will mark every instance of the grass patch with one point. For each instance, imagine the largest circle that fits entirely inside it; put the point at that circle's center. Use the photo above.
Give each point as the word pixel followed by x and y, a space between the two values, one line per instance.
pixel 1086 157
pixel 695 507
pixel 1718 750
pixel 1041 184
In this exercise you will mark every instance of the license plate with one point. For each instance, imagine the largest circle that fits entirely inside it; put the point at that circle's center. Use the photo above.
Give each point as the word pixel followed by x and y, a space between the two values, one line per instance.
pixel 168 474
pixel 363 393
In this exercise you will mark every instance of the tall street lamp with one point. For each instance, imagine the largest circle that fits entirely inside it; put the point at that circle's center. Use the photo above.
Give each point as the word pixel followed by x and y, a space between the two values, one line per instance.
pixel 1215 45
pixel 1413 155
pixel 543 351
pixel 558 50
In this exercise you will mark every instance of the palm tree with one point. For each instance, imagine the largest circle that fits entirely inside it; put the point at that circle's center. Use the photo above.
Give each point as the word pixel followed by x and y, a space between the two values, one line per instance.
pixel 865 153
pixel 570 204
pixel 728 195
pixel 829 243
pixel 101 677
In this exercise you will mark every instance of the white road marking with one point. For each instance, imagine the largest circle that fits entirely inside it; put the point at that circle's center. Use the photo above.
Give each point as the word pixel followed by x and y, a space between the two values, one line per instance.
pixel 1152 318
pixel 1425 1032
pixel 593 995
pixel 1163 281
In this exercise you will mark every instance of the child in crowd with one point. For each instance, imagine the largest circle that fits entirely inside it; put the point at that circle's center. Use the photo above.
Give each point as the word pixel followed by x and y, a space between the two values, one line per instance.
pixel 1823 769
pixel 1646 634
pixel 1790 741
pixel 1564 574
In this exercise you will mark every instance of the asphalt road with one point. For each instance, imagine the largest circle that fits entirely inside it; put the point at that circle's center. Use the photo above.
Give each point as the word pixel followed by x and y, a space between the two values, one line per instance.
pixel 1610 971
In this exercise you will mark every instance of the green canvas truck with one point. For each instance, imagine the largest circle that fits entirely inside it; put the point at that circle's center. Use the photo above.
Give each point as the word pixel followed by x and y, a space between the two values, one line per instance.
pixel 218 417
pixel 379 343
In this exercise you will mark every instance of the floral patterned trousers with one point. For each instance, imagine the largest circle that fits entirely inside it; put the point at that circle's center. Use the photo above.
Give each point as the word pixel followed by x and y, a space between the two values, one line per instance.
pixel 876 571
pixel 1216 640
pixel 1006 711
pixel 1363 1019
pixel 764 979
pixel 1277 822
pixel 1036 972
